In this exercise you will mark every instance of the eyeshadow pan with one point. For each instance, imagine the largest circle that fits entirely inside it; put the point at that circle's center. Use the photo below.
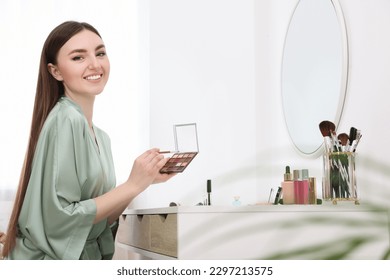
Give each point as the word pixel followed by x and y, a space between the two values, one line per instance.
pixel 178 162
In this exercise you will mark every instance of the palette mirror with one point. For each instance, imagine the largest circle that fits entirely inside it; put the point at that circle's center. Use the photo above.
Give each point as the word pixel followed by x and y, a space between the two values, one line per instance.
pixel 314 71
pixel 186 148
pixel 186 137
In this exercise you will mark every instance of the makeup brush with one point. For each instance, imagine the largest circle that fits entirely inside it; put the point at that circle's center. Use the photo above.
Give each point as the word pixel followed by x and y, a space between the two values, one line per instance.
pixel 344 141
pixel 325 128
pixel 168 152
pixel 330 127
pixel 352 135
pixel 356 142
pixel 333 135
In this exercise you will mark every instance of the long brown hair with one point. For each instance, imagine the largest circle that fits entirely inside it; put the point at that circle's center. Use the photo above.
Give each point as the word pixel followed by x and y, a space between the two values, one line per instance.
pixel 48 91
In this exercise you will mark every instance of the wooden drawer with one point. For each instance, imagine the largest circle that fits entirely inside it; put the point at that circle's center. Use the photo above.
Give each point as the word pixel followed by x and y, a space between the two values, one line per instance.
pixel 134 230
pixel 163 234
pixel 156 233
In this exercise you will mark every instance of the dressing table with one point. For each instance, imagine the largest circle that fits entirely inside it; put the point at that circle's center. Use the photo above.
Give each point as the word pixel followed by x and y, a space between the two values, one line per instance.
pixel 344 231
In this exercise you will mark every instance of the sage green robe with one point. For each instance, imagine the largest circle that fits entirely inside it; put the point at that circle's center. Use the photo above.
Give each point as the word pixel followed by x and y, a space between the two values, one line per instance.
pixel 69 169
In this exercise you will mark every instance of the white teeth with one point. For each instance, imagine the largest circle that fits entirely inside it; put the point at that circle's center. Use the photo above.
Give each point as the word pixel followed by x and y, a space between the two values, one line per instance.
pixel 95 77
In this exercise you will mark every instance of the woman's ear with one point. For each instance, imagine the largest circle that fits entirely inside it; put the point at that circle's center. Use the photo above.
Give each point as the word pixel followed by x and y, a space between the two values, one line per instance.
pixel 53 70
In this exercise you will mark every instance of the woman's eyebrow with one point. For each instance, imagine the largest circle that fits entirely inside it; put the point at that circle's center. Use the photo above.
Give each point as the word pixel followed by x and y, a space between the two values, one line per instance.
pixel 101 46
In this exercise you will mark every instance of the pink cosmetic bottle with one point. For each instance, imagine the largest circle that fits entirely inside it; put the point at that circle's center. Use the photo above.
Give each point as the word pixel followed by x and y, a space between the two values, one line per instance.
pixel 297 183
pixel 305 186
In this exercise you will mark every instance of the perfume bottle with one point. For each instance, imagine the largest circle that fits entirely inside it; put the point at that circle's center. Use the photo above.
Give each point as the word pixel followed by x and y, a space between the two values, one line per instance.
pixel 312 190
pixel 236 201
pixel 288 187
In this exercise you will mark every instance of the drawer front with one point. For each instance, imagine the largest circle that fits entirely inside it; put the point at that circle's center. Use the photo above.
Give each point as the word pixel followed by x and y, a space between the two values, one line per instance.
pixel 155 232
pixel 134 230
pixel 163 234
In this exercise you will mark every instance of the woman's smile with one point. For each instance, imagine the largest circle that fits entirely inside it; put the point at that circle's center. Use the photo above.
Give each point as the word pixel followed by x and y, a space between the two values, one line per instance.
pixel 84 55
pixel 94 77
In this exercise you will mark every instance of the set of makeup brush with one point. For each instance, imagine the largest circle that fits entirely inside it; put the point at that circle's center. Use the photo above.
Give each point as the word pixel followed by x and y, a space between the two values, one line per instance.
pixel 342 142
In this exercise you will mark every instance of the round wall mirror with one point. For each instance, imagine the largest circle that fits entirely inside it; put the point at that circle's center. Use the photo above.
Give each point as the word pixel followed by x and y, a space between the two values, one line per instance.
pixel 314 71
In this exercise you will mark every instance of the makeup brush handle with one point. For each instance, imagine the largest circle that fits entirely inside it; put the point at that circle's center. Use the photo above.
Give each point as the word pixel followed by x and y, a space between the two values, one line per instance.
pixel 352 148
pixel 336 143
pixel 357 142
pixel 328 144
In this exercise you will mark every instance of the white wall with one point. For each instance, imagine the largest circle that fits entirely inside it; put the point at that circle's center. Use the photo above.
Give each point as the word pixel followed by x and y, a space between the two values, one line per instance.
pixel 368 25
pixel 220 63
pixel 202 70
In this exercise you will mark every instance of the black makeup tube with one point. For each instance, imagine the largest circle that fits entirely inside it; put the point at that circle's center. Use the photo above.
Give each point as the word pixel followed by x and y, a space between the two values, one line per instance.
pixel 208 192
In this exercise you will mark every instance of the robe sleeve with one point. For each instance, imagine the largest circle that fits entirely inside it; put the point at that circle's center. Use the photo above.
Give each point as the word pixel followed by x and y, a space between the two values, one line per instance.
pixel 59 220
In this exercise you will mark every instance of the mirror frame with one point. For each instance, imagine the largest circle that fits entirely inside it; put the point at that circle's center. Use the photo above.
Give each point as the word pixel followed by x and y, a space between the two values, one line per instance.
pixel 343 81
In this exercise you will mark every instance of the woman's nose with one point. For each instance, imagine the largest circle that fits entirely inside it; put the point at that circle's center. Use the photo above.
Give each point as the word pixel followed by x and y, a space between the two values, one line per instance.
pixel 93 63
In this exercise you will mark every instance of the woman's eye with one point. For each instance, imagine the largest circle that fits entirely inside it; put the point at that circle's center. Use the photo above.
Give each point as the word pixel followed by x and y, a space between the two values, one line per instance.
pixel 101 54
pixel 77 58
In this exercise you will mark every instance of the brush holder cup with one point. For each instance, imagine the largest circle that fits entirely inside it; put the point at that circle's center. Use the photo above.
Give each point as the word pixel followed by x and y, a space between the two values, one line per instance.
pixel 339 177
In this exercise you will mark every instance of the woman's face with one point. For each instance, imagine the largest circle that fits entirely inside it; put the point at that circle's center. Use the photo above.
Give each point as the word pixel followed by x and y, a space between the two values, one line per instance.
pixel 82 65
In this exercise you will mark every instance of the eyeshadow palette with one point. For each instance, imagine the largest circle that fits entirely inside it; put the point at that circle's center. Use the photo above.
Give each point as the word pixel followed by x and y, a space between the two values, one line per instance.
pixel 178 162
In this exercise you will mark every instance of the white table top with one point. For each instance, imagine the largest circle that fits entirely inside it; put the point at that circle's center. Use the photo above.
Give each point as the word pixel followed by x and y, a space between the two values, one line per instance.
pixel 327 207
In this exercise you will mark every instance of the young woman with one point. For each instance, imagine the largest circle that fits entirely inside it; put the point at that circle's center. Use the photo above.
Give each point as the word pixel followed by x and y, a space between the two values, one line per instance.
pixel 67 201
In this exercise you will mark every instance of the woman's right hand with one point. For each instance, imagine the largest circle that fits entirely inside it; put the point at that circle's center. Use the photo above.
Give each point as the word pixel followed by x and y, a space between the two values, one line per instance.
pixel 146 169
